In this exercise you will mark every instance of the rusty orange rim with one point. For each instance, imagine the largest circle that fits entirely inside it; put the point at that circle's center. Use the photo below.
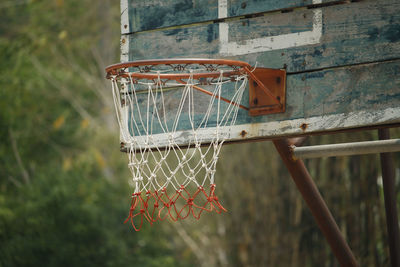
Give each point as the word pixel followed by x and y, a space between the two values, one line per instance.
pixel 212 67
pixel 145 71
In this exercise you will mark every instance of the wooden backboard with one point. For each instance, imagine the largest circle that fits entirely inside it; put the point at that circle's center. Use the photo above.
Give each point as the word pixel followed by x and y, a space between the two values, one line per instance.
pixel 342 58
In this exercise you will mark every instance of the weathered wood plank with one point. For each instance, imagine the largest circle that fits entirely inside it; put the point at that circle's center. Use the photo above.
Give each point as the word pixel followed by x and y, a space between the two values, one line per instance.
pixel 155 14
pixel 353 33
pixel 325 100
pixel 343 64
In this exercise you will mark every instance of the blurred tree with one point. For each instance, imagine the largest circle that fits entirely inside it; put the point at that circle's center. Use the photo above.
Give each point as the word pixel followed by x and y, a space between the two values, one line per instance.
pixel 63 192
pixel 268 223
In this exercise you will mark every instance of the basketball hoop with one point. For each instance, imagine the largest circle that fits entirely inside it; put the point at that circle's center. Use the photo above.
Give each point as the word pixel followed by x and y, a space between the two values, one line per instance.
pixel 171 180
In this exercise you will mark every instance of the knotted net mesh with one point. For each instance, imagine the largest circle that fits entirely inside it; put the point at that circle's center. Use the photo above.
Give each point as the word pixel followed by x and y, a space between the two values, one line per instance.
pixel 156 116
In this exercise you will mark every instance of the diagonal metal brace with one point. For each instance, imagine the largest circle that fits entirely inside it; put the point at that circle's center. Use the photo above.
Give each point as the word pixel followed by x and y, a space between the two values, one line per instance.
pixel 316 204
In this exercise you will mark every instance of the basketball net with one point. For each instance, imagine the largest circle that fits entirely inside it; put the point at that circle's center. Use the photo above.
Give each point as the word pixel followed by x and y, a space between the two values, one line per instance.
pixel 171 180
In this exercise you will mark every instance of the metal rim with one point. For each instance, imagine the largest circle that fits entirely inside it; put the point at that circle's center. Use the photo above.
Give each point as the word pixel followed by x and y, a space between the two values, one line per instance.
pixel 237 66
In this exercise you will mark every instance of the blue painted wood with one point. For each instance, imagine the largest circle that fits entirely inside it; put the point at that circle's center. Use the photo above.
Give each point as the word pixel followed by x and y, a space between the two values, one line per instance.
pixel 353 67
pixel 155 14
pixel 353 33
pixel 369 87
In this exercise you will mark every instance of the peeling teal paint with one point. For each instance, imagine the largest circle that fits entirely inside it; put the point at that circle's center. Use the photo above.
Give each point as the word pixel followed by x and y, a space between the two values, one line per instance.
pixel 167 13
pixel 354 67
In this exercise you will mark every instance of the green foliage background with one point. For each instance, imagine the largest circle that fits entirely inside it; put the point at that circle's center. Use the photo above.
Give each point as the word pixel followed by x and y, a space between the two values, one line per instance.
pixel 64 190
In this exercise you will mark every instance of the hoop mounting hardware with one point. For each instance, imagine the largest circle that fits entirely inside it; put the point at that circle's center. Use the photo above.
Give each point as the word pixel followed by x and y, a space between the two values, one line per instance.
pixel 262 103
pixel 267 87
pixel 155 99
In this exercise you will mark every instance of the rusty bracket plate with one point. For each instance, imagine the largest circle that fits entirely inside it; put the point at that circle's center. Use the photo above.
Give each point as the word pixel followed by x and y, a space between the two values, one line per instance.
pixel 261 103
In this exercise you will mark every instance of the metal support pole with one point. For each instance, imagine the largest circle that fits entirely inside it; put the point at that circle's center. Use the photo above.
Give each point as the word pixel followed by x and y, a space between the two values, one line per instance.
pixel 346 149
pixel 388 177
pixel 317 205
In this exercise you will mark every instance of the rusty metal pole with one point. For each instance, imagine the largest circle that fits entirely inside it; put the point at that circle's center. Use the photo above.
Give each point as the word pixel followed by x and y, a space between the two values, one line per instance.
pixel 317 205
pixel 389 191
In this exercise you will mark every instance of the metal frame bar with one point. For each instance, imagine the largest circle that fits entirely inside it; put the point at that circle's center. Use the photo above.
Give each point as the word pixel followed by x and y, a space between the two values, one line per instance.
pixel 291 155
pixel 346 149
pixel 389 190
pixel 316 203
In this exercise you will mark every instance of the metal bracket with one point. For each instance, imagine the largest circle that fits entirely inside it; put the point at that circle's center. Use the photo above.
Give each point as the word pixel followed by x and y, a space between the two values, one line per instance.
pixel 273 100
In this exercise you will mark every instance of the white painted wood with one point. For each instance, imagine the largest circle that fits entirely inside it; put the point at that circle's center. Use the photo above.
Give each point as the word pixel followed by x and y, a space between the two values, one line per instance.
pixel 124 17
pixel 267 43
pixel 276 129
pixel 222 9
pixel 124 42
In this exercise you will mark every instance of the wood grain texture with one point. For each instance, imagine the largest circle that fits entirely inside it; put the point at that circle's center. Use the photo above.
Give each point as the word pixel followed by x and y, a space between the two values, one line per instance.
pixel 325 100
pixel 155 14
pixel 348 78
pixel 355 33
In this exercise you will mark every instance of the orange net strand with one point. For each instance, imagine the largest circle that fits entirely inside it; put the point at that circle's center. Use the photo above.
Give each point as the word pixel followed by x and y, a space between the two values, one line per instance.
pixel 154 206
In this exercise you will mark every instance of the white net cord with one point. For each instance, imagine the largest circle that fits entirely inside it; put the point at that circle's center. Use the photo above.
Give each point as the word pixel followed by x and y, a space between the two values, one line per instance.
pixel 171 180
